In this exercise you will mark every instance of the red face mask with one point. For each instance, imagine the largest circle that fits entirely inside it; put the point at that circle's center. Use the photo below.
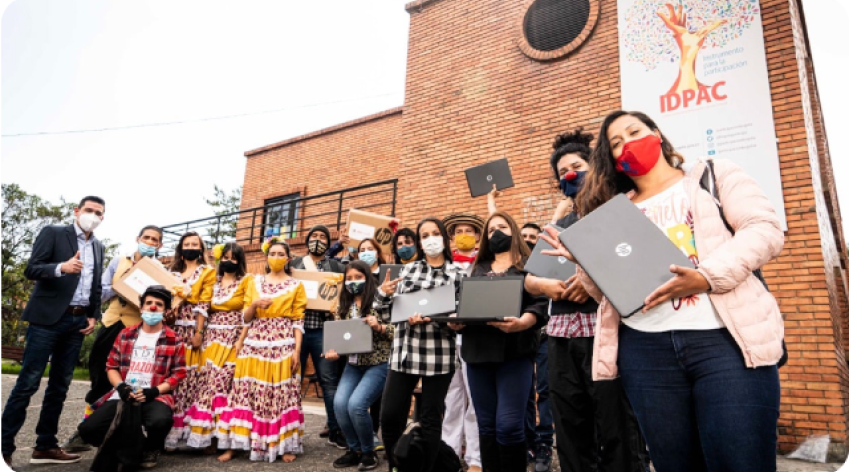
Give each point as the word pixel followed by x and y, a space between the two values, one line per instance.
pixel 639 156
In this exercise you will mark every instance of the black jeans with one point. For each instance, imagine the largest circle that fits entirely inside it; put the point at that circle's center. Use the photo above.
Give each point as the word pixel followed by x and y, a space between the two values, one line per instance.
pixel 595 427
pixel 397 396
pixel 156 417
pixel 100 350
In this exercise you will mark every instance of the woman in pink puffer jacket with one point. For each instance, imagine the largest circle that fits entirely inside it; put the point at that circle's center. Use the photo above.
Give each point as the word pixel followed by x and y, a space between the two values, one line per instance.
pixel 698 363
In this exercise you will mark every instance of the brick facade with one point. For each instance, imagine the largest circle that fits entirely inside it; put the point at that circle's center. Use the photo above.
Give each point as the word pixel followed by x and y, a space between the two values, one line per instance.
pixel 472 96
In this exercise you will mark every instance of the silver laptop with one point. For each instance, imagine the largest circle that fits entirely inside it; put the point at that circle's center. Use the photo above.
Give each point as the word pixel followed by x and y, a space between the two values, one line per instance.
pixel 549 267
pixel 347 336
pixel 481 178
pixel 394 272
pixel 484 299
pixel 625 254
pixel 431 302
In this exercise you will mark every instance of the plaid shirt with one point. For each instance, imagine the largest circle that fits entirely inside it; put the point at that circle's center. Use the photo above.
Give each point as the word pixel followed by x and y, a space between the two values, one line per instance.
pixel 170 361
pixel 572 325
pixel 428 349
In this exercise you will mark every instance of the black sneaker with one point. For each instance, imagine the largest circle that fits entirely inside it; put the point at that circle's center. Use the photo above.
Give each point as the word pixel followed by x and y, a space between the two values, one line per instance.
pixel 369 461
pixel 75 444
pixel 350 459
pixel 543 460
pixel 149 459
pixel 324 432
pixel 337 440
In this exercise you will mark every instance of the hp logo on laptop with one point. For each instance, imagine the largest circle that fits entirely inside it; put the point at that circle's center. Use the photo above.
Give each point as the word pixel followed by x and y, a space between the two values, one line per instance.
pixel 562 259
pixel 347 336
pixel 489 178
pixel 623 250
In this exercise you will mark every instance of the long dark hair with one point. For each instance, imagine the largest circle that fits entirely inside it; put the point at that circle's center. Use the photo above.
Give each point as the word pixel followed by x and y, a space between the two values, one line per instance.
pixel 446 251
pixel 403 232
pixel 178 264
pixel 603 181
pixel 518 249
pixel 376 248
pixel 572 142
pixel 237 253
pixel 288 267
pixel 346 298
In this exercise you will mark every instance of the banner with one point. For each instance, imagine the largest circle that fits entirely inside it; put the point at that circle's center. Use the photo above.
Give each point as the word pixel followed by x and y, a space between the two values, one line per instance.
pixel 698 68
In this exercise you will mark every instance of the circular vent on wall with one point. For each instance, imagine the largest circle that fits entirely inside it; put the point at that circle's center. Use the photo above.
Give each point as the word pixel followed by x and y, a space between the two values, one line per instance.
pixel 554 28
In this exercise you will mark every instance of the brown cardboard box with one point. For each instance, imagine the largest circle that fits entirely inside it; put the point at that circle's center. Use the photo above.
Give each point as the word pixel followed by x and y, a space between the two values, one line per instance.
pixel 145 273
pixel 363 225
pixel 323 288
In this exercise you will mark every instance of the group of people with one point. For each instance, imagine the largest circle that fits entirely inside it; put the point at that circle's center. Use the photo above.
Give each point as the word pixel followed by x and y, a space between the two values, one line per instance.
pixel 689 383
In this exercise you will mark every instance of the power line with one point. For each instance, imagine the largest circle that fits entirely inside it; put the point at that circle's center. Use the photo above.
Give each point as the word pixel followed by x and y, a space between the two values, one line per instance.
pixel 199 120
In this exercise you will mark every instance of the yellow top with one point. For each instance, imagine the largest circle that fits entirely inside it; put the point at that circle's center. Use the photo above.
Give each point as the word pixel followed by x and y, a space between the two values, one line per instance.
pixel 197 289
pixel 232 297
pixel 289 299
pixel 120 309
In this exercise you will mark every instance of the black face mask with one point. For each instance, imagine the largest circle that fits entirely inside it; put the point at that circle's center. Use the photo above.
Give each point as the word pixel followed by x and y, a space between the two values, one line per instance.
pixel 191 254
pixel 229 267
pixel 317 247
pixel 531 245
pixel 499 242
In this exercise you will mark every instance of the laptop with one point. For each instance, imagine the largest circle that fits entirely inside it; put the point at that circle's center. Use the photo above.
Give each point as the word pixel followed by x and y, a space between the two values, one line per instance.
pixel 431 302
pixel 394 272
pixel 481 178
pixel 549 267
pixel 484 299
pixel 347 336
pixel 625 254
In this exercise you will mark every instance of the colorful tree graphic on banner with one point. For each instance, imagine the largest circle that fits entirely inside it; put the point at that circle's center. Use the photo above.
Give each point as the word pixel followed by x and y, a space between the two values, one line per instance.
pixel 658 32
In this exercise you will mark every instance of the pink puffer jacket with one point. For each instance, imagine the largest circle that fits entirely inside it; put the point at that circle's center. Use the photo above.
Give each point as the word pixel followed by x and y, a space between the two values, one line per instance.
pixel 748 310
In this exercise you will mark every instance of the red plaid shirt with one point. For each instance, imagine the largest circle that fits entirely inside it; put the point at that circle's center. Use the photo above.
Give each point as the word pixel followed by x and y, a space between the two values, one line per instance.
pixel 571 325
pixel 170 361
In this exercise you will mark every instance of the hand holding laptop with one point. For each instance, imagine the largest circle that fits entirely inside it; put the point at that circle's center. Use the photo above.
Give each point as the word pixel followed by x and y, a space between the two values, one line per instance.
pixel 685 283
pixel 455 326
pixel 552 237
pixel 331 355
pixel 417 319
pixel 511 324
pixel 575 292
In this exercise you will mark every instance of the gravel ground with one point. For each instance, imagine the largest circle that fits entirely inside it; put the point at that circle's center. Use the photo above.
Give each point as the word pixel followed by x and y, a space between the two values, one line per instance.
pixel 318 456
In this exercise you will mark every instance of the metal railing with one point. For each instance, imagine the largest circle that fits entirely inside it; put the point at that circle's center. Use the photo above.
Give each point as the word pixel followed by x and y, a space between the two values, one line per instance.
pixel 251 226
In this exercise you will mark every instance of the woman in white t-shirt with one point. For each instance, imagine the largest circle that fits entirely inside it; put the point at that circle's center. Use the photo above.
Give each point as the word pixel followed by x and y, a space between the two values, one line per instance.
pixel 698 363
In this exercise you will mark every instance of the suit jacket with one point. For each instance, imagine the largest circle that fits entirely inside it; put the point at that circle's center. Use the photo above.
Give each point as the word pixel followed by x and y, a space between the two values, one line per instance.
pixel 51 295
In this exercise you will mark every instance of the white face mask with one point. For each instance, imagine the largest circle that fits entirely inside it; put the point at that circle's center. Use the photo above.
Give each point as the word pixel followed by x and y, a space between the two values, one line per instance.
pixel 433 246
pixel 89 221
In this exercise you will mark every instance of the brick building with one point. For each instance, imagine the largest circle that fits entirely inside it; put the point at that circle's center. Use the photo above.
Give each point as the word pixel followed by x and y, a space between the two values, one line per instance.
pixel 474 94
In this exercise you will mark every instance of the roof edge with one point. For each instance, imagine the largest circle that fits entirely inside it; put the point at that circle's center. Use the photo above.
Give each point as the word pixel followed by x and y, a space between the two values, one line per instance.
pixel 332 129
pixel 416 6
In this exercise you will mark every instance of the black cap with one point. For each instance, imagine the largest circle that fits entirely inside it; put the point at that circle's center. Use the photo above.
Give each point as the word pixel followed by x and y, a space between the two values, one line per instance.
pixel 160 292
pixel 321 228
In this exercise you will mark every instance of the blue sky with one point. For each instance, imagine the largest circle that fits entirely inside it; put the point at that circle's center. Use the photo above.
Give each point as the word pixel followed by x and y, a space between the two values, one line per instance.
pixel 91 64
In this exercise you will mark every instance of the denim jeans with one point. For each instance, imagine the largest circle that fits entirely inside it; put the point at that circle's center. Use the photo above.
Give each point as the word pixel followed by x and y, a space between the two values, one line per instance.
pixel 59 344
pixel 540 435
pixel 358 388
pixel 500 394
pixel 698 405
pixel 328 378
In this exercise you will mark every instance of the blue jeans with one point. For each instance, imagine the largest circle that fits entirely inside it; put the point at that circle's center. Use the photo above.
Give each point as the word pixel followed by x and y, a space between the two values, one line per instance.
pixel 699 407
pixel 328 378
pixel 358 389
pixel 500 395
pixel 540 435
pixel 59 344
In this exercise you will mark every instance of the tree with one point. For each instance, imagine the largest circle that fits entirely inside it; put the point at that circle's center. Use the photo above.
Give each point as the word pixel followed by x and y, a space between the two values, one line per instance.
pixel 225 205
pixel 670 33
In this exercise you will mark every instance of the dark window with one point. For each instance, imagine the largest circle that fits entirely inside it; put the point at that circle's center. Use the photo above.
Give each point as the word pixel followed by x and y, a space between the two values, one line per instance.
pixel 552 24
pixel 281 216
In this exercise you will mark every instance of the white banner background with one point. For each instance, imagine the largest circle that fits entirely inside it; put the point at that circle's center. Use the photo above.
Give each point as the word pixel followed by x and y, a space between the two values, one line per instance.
pixel 730 116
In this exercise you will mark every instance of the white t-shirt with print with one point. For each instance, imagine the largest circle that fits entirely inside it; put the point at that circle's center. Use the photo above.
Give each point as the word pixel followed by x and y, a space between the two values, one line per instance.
pixel 142 363
pixel 670 211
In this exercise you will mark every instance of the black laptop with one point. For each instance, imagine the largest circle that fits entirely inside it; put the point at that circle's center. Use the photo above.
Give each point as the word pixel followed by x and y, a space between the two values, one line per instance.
pixel 430 302
pixel 549 267
pixel 484 299
pixel 481 178
pixel 625 254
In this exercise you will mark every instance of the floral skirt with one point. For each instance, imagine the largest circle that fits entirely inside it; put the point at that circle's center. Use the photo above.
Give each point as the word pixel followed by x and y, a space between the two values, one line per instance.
pixel 187 391
pixel 215 377
pixel 265 415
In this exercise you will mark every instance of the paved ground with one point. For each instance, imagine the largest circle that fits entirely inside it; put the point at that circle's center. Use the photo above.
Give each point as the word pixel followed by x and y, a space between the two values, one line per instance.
pixel 318 456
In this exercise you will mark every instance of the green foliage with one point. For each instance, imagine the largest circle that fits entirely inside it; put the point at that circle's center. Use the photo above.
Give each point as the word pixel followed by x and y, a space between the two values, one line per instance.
pixel 15 369
pixel 224 204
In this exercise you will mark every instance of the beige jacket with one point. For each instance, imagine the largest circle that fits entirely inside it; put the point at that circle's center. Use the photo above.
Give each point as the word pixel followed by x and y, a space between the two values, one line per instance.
pixel 748 310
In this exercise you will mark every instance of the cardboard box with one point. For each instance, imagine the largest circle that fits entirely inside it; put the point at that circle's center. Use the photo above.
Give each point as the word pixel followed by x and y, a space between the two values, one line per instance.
pixel 363 225
pixel 145 273
pixel 323 288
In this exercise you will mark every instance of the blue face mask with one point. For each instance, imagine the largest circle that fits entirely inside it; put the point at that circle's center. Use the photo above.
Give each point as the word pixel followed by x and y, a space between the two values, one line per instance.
pixel 406 252
pixel 147 250
pixel 369 257
pixel 151 317
pixel 572 182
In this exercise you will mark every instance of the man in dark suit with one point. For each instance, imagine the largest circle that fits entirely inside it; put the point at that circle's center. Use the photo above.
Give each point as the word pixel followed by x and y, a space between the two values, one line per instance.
pixel 66 265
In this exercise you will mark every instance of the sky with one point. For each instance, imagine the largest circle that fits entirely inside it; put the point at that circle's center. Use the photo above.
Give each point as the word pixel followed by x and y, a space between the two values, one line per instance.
pixel 284 68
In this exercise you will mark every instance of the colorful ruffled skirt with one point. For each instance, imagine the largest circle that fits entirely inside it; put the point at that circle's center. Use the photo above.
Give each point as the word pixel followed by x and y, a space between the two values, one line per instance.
pixel 265 415
pixel 187 391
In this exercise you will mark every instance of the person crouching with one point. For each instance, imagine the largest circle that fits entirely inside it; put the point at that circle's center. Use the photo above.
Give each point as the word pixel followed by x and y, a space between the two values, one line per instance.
pixel 146 364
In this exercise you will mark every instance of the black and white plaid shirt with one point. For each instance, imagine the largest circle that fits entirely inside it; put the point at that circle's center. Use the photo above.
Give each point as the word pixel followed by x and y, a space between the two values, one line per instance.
pixel 423 349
